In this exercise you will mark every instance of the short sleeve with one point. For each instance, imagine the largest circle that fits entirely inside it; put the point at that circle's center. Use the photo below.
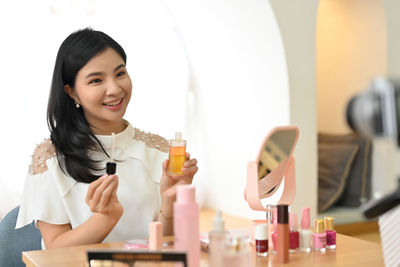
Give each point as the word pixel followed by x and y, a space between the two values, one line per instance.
pixel 41 201
pixel 41 198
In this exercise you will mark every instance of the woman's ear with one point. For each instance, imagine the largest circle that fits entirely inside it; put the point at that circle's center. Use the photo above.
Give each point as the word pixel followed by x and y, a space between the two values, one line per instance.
pixel 68 89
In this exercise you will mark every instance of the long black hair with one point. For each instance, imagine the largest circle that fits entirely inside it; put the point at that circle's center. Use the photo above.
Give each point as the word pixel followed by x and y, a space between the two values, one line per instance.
pixel 69 130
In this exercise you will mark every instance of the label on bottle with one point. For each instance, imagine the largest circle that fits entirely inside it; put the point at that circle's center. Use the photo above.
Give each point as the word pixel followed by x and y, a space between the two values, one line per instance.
pixel 262 245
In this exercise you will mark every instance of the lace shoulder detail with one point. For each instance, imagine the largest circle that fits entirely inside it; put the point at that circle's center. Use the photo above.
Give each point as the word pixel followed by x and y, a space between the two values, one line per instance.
pixel 152 140
pixel 43 152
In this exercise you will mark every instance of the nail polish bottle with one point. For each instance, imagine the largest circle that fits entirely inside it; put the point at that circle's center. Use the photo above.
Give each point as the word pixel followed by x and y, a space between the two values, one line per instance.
pixel 330 233
pixel 186 224
pixel 270 220
pixel 294 235
pixel 217 237
pixel 261 239
pixel 177 155
pixel 306 233
pixel 274 234
pixel 319 236
pixel 283 234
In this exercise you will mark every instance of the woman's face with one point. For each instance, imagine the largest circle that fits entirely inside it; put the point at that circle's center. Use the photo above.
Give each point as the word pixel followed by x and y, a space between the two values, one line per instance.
pixel 103 89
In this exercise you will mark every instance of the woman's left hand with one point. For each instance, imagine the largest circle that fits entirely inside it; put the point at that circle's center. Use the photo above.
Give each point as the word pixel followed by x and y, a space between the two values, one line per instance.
pixel 169 183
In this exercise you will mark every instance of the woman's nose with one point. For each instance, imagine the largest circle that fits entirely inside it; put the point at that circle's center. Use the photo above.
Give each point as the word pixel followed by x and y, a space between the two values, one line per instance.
pixel 113 88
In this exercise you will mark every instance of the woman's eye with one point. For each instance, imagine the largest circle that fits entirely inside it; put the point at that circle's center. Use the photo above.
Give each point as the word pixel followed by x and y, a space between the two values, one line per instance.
pixel 121 73
pixel 95 81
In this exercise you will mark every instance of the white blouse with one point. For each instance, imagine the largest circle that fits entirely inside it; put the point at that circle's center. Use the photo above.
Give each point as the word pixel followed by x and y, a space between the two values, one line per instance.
pixel 54 197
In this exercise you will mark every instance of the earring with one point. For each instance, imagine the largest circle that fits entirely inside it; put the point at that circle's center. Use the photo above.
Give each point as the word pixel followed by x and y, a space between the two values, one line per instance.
pixel 77 105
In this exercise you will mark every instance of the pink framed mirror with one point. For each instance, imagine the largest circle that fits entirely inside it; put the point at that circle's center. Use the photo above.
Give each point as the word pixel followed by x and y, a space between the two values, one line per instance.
pixel 273 167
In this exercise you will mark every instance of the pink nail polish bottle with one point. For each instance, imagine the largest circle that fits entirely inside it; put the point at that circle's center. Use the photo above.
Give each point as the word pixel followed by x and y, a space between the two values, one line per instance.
pixel 330 233
pixel 294 235
pixel 270 220
pixel 274 234
pixel 319 236
pixel 186 223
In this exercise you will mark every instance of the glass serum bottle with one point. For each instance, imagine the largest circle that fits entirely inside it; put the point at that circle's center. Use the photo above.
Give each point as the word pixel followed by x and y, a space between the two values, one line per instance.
pixel 217 237
pixel 177 155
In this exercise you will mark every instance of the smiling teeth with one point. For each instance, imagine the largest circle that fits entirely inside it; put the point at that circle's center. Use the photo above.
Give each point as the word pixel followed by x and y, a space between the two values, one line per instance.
pixel 114 103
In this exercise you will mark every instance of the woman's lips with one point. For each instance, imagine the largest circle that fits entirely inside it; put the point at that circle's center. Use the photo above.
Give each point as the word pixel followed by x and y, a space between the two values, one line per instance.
pixel 112 106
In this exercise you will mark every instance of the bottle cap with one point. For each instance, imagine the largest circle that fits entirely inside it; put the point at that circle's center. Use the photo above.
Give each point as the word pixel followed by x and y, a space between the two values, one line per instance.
pixel 270 217
pixel 111 167
pixel 293 220
pixel 261 231
pixel 185 194
pixel 329 222
pixel 319 226
pixel 178 136
pixel 305 218
pixel 283 214
pixel 178 141
pixel 218 222
pixel 155 235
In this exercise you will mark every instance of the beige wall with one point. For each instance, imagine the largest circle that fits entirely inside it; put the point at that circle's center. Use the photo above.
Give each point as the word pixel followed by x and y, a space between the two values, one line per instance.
pixel 392 8
pixel 296 21
pixel 351 50
pixel 356 41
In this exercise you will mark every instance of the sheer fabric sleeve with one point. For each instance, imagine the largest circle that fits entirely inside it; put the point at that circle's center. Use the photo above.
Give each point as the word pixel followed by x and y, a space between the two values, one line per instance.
pixel 151 149
pixel 41 198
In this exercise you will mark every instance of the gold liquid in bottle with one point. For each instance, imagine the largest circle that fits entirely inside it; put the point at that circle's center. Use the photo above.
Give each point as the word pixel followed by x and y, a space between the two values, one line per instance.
pixel 177 155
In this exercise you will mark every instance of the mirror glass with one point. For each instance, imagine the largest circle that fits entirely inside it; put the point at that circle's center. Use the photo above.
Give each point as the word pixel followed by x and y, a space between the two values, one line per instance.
pixel 276 149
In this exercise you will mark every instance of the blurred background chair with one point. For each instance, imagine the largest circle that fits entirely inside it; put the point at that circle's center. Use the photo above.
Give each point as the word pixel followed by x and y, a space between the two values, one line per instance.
pixel 14 241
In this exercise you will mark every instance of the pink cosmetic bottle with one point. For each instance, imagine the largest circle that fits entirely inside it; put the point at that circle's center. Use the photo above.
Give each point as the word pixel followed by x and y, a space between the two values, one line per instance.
pixel 306 233
pixel 270 220
pixel 319 236
pixel 274 235
pixel 330 233
pixel 294 235
pixel 155 235
pixel 186 224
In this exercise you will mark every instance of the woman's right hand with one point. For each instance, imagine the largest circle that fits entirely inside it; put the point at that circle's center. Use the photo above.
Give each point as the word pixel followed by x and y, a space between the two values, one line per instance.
pixel 102 197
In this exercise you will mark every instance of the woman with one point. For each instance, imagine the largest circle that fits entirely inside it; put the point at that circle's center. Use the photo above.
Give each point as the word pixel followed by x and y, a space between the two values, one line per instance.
pixel 90 92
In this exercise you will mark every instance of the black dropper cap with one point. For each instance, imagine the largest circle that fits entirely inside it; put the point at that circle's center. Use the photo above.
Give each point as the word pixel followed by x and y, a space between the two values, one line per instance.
pixel 111 167
pixel 283 214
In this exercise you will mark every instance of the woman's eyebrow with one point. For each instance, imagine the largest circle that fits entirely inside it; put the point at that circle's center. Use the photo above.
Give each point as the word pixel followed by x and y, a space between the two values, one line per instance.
pixel 99 73
pixel 119 66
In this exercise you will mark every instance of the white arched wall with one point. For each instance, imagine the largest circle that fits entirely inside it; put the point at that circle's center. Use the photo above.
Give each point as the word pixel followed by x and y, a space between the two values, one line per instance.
pixel 240 90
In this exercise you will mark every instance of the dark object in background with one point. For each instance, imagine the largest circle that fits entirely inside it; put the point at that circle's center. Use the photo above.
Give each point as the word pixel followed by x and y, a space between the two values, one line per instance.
pixel 357 185
pixel 334 164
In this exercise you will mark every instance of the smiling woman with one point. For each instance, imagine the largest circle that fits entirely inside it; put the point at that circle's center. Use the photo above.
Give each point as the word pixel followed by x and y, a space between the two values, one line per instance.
pixel 90 92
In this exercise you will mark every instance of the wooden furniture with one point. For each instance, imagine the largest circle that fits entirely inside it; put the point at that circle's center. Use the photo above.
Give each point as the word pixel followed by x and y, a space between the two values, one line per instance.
pixel 350 251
